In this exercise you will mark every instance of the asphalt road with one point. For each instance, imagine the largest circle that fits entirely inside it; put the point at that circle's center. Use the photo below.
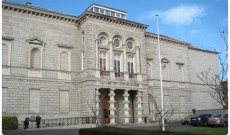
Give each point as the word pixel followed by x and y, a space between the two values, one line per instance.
pixel 43 132
pixel 76 131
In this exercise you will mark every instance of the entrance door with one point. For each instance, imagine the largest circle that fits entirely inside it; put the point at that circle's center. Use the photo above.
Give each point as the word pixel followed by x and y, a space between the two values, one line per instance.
pixel 105 108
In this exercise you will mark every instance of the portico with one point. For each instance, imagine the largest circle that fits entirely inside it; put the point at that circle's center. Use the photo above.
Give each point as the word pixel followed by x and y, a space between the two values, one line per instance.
pixel 119 106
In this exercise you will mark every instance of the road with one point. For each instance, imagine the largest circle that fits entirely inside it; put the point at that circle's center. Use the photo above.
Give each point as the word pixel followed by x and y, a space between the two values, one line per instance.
pixel 76 131
pixel 43 132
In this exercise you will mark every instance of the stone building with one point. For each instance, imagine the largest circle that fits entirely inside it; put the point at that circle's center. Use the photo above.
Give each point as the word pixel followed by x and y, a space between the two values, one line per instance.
pixel 55 64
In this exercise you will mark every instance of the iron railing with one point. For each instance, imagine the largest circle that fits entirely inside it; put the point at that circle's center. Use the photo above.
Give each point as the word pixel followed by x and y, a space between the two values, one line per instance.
pixel 59 122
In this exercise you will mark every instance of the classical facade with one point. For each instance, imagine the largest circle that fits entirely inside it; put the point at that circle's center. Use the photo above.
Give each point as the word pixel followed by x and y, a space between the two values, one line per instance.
pixel 57 65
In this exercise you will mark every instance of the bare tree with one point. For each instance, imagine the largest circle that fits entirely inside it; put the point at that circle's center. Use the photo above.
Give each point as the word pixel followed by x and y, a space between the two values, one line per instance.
pixel 171 122
pixel 94 107
pixel 217 81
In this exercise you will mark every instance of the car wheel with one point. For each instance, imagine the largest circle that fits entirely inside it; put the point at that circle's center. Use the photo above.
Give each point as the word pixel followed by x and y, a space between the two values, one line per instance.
pixel 225 124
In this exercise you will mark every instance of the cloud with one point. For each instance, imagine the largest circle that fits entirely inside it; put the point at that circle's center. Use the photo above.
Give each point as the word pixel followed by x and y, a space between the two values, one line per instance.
pixel 180 15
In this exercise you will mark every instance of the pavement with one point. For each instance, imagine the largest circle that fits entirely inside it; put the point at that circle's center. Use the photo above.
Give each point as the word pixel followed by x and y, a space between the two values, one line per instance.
pixel 75 131
pixel 43 132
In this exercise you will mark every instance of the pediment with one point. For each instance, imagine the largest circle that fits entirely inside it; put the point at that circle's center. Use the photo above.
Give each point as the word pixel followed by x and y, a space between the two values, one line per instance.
pixel 165 60
pixel 35 41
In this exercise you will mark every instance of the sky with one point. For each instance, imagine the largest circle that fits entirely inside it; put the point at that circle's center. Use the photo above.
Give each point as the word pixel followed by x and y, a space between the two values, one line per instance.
pixel 199 22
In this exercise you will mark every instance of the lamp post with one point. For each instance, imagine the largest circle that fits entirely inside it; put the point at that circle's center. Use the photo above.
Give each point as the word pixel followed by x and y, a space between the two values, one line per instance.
pixel 162 95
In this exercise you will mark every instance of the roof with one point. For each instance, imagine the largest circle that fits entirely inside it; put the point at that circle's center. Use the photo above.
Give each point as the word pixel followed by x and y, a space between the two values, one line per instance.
pixel 106 7
pixel 203 50
pixel 28 6
pixel 163 37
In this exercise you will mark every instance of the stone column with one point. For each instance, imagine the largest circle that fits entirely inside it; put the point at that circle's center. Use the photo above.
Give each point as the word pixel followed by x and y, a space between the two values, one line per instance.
pixel 112 106
pixel 139 106
pixel 126 106
pixel 97 100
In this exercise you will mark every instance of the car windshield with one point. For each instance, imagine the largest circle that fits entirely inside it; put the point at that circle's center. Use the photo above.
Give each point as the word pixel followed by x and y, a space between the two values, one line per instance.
pixel 217 115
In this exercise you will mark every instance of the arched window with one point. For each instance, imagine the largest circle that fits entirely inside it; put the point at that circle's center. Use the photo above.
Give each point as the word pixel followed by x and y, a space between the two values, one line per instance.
pixel 64 61
pixel 149 71
pixel 35 58
pixel 165 72
pixel 5 54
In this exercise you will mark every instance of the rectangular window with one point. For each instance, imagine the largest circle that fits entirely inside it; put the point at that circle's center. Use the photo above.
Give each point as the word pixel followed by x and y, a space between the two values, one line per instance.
pixel 34 100
pixel 64 101
pixel 122 16
pixel 4 99
pixel 96 9
pixel 103 61
pixel 117 65
pixel 113 14
pixel 130 66
pixel 102 11
pixel 107 12
pixel 118 15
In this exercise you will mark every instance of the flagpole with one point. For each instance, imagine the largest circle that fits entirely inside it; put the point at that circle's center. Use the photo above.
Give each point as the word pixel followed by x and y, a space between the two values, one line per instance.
pixel 162 95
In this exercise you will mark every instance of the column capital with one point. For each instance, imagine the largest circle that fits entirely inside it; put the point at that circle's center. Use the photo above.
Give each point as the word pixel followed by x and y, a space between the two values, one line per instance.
pixel 126 90
pixel 112 89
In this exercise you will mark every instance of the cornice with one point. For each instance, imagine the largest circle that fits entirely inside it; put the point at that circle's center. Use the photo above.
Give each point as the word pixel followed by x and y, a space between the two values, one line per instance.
pixel 165 39
pixel 198 49
pixel 111 19
pixel 39 12
pixel 7 38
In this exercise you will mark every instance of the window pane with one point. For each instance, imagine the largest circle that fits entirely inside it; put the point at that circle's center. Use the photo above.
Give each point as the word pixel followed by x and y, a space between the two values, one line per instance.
pixel 107 12
pixel 104 64
pixel 112 13
pixel 122 16
pixel 118 14
pixel 102 11
pixel 96 9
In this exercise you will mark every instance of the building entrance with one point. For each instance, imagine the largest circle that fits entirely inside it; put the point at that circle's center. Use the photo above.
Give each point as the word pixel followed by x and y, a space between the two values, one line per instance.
pixel 105 108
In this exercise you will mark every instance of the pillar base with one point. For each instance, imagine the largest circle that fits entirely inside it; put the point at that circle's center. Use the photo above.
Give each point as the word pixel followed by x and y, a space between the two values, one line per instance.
pixel 126 120
pixel 139 120
pixel 112 121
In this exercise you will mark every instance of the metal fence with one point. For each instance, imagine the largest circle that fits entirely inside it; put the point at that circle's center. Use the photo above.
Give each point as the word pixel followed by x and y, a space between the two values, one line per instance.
pixel 59 122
